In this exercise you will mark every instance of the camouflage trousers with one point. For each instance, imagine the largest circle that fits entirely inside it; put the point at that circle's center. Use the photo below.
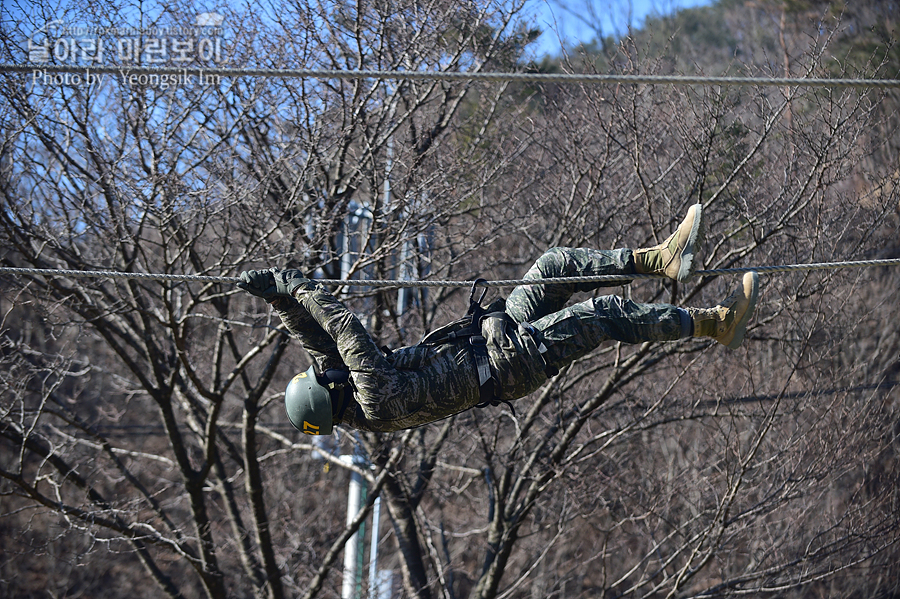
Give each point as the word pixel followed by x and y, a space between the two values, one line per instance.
pixel 571 332
pixel 421 384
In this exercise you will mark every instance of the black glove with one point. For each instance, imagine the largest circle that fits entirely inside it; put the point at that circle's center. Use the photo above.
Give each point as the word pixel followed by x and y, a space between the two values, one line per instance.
pixel 272 283
pixel 260 283
pixel 288 280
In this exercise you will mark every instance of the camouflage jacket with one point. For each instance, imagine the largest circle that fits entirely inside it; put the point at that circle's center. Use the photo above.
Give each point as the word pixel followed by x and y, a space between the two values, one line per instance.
pixel 412 385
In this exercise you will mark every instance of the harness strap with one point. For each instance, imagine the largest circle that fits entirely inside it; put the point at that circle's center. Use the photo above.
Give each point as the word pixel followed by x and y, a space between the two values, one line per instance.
pixel 536 336
pixel 469 327
pixel 487 384
pixel 483 367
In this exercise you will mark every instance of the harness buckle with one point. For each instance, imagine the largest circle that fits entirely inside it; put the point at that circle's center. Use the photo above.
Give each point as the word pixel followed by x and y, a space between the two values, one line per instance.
pixel 473 303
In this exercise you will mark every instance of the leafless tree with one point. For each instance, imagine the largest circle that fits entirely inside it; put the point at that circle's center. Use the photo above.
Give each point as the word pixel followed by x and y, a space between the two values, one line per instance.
pixel 208 177
pixel 141 420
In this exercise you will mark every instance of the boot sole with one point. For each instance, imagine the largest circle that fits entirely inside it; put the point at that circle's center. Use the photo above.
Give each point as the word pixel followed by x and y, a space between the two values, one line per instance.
pixel 741 325
pixel 695 238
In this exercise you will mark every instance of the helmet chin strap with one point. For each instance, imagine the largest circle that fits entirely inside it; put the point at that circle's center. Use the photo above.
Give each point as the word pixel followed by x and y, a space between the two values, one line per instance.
pixel 337 381
pixel 340 396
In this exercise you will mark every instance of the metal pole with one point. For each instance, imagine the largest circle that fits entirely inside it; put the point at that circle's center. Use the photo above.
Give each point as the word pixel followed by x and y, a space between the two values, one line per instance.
pixel 351 547
pixel 373 550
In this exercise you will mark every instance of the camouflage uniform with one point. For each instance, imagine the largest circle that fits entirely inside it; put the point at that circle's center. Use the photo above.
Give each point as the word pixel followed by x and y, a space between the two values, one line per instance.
pixel 420 384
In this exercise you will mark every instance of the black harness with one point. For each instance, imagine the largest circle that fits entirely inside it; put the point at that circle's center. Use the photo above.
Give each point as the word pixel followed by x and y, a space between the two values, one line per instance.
pixel 469 327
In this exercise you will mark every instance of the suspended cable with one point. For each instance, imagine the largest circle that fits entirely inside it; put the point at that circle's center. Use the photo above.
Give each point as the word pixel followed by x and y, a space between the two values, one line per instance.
pixel 394 283
pixel 135 73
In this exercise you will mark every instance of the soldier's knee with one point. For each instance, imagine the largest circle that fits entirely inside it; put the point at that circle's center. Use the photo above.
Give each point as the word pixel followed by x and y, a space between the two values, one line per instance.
pixel 553 262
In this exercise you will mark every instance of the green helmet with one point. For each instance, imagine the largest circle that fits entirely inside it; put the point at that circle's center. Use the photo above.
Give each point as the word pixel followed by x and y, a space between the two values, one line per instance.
pixel 308 404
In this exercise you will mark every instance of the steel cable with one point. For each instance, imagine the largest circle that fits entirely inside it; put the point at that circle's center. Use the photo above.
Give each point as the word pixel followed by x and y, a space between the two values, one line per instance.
pixel 128 72
pixel 403 283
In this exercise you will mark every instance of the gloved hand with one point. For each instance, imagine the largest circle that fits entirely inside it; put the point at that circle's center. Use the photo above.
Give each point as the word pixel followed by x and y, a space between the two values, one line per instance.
pixel 260 283
pixel 287 281
pixel 269 284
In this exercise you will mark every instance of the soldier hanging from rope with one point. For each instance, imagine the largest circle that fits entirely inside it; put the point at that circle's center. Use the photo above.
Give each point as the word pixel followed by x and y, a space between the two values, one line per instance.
pixel 494 354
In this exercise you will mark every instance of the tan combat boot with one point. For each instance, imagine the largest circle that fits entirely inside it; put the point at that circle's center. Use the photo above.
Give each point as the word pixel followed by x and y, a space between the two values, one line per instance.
pixel 674 257
pixel 727 322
